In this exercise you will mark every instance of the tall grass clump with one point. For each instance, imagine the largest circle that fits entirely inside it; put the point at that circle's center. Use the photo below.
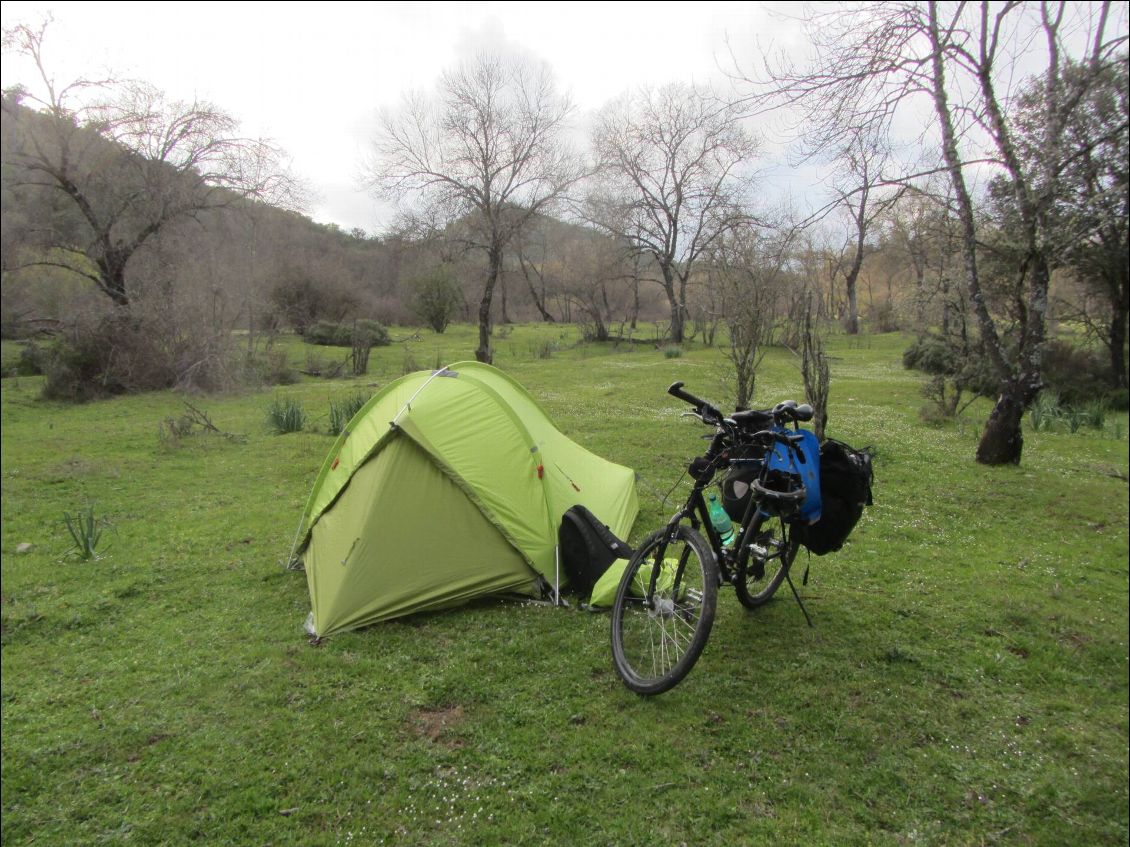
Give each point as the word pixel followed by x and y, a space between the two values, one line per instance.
pixel 543 349
pixel 1047 410
pixel 342 411
pixel 85 531
pixel 285 415
pixel 1044 411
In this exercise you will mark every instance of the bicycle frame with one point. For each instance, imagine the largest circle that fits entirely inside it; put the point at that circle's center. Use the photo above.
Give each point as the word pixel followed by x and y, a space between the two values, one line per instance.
pixel 732 560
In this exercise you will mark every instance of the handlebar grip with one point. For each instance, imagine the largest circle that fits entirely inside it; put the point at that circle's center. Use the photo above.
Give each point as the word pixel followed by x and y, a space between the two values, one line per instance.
pixel 676 390
pixel 705 409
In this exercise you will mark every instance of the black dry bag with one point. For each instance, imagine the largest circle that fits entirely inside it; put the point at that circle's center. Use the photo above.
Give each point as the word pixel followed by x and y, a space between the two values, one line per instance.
pixel 845 488
pixel 587 547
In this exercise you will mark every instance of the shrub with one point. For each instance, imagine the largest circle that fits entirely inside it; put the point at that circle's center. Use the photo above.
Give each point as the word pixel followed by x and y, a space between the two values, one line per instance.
pixel 272 368
pixel 672 352
pixel 285 415
pixel 437 298
pixel 300 300
pixel 329 334
pixel 930 354
pixel 965 369
pixel 1118 400
pixel 1079 375
pixel 128 352
pixel 884 317
pixel 31 362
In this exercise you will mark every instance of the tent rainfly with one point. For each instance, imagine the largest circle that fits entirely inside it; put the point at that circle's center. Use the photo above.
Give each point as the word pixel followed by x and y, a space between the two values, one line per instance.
pixel 447 486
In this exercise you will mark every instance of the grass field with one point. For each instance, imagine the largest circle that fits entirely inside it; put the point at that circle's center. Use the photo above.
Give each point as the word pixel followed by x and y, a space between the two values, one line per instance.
pixel 966 681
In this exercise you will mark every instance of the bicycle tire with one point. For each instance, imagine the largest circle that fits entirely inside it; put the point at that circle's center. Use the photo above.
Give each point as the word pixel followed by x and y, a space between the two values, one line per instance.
pixel 755 586
pixel 656 641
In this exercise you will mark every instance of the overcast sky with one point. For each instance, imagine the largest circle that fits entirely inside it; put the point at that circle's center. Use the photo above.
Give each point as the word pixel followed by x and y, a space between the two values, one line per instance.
pixel 314 75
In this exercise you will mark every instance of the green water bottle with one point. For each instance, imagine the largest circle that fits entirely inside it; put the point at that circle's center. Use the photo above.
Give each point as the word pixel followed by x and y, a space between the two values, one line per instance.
pixel 722 523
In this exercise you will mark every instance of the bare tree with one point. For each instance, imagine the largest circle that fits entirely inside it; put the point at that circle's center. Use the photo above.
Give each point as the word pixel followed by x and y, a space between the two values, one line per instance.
pixel 486 152
pixel 129 162
pixel 596 265
pixel 672 180
pixel 858 193
pixel 751 275
pixel 873 60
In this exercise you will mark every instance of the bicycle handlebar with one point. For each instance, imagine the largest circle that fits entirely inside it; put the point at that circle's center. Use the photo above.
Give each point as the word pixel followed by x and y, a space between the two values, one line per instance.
pixel 782 412
pixel 709 413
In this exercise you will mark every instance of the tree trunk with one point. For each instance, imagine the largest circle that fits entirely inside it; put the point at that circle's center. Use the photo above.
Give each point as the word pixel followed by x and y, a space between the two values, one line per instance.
pixel 851 323
pixel 484 353
pixel 540 301
pixel 112 281
pixel 1117 339
pixel 635 289
pixel 676 330
pixel 502 287
pixel 1003 440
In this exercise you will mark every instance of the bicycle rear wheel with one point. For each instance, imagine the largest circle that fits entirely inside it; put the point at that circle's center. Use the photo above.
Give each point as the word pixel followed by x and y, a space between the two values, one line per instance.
pixel 657 636
pixel 767 565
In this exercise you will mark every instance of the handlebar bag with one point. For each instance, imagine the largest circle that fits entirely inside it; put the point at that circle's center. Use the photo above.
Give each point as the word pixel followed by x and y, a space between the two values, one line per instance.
pixel 737 484
pixel 846 476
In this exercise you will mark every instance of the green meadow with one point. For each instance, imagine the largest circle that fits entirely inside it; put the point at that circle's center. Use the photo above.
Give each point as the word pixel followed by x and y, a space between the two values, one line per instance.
pixel 965 683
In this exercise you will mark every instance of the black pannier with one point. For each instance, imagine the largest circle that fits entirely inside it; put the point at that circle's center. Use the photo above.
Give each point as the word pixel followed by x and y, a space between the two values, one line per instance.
pixel 845 488
pixel 587 548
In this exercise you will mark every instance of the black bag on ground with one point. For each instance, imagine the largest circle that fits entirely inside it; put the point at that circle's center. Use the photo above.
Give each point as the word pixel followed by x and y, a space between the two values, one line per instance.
pixel 587 547
pixel 845 488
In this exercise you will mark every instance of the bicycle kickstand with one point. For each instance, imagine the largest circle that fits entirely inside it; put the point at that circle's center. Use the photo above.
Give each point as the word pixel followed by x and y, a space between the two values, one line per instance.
pixel 799 602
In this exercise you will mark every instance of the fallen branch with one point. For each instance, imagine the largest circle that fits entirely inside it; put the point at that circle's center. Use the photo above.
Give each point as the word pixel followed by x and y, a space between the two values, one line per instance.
pixel 201 419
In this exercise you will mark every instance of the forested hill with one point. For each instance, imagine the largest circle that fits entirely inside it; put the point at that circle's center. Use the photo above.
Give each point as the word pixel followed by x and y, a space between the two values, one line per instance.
pixel 240 261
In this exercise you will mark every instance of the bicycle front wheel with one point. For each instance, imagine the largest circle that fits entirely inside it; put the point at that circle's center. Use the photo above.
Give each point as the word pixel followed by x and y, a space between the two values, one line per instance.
pixel 660 625
pixel 768 563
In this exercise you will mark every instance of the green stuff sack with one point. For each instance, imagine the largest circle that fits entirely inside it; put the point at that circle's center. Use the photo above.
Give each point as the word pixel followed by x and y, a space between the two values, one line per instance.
pixel 604 592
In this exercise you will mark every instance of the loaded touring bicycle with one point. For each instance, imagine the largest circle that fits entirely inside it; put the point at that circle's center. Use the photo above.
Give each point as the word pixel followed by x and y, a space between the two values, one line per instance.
pixel 773 501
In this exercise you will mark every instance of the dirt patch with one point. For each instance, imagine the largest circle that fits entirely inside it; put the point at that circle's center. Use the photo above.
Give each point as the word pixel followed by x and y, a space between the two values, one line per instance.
pixel 438 725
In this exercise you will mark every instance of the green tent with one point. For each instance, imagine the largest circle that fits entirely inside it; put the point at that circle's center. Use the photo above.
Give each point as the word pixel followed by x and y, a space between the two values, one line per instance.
pixel 444 487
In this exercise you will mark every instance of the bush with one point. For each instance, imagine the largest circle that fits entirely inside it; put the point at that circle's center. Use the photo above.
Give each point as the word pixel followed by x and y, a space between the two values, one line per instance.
pixel 1118 400
pixel 329 334
pixel 300 300
pixel 966 371
pixel 437 298
pixel 884 317
pixel 930 354
pixel 32 361
pixel 1080 376
pixel 127 352
pixel 272 368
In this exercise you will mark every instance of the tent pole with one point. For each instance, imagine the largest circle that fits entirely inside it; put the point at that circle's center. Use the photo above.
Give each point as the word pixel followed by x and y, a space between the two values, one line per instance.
pixel 557 575
pixel 407 407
